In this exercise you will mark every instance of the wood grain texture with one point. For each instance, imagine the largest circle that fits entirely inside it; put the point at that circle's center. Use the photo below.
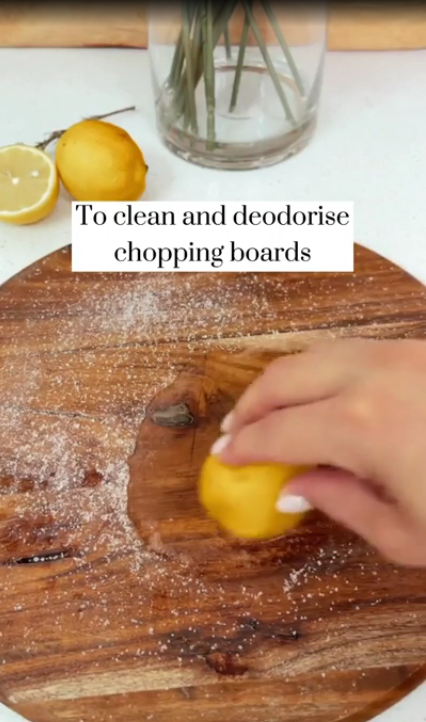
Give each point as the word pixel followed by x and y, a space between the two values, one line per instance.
pixel 120 599
pixel 354 26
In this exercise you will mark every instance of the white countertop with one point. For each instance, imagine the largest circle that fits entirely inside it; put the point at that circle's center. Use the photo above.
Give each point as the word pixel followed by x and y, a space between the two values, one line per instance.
pixel 370 148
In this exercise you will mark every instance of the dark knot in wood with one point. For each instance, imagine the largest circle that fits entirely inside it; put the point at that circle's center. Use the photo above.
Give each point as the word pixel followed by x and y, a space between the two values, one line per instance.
pixel 177 415
pixel 226 664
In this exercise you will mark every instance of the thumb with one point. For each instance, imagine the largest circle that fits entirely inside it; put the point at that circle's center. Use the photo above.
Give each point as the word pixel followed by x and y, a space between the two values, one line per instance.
pixel 352 503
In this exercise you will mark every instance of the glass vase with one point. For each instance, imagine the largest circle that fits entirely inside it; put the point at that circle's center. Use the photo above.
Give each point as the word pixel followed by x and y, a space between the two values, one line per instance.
pixel 237 83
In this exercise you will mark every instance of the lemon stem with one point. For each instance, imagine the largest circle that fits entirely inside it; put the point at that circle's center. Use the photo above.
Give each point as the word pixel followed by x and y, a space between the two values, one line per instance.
pixel 58 133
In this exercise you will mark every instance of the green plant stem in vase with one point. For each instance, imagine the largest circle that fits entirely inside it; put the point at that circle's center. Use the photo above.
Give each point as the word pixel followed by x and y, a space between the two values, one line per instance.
pixel 268 62
pixel 209 80
pixel 240 63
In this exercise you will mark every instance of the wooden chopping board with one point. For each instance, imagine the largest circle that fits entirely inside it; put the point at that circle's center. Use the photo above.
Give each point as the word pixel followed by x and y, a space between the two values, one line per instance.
pixel 119 599
pixel 352 26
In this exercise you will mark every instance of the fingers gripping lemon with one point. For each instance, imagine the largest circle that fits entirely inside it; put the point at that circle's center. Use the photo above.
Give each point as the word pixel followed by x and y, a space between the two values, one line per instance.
pixel 99 161
pixel 242 498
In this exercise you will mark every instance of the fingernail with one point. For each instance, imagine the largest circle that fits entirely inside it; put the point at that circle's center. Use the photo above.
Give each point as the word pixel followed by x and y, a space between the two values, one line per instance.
pixel 227 421
pixel 220 444
pixel 289 504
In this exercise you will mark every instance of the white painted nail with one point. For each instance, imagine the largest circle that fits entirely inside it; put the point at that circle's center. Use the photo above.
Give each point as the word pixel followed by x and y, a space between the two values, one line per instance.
pixel 226 423
pixel 220 444
pixel 289 504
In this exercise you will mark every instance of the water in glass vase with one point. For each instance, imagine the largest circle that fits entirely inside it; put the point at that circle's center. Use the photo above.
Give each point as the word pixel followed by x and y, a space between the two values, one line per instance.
pixel 237 84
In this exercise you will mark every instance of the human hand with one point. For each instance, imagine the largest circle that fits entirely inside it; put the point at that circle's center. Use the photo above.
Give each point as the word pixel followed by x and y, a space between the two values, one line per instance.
pixel 356 409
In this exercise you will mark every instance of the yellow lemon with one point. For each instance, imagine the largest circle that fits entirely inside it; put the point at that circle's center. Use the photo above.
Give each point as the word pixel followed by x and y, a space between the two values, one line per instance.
pixel 29 184
pixel 98 161
pixel 242 498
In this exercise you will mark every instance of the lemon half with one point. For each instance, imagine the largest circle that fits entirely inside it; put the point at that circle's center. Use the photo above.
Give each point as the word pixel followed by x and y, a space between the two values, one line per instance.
pixel 29 184
pixel 242 498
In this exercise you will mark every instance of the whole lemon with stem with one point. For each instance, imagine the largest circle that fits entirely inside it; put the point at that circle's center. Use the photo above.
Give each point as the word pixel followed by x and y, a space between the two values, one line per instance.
pixel 99 161
pixel 242 499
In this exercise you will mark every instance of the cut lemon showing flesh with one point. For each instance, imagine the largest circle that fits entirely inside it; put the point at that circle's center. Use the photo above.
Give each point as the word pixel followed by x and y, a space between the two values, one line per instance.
pixel 29 184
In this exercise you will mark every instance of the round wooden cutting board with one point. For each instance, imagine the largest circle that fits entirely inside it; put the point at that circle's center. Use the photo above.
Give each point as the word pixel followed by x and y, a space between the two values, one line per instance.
pixel 119 599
